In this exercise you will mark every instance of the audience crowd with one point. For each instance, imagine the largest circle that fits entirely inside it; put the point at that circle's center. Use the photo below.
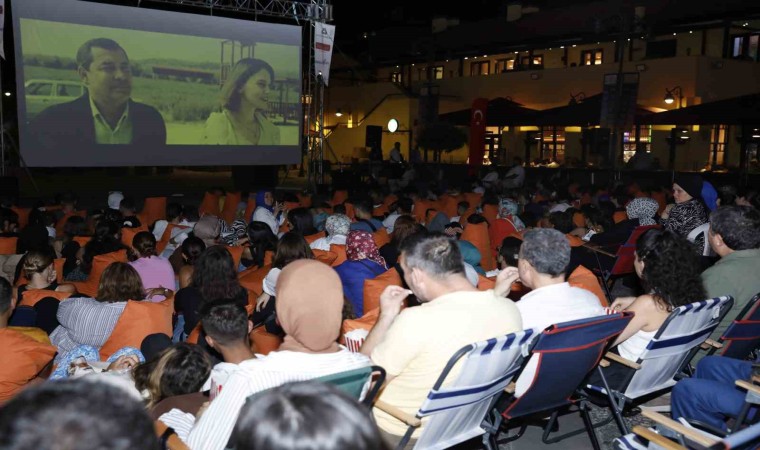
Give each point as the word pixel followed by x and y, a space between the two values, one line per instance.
pixel 207 326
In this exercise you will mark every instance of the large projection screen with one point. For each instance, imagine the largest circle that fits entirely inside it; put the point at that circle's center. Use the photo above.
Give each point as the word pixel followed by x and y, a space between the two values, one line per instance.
pixel 103 85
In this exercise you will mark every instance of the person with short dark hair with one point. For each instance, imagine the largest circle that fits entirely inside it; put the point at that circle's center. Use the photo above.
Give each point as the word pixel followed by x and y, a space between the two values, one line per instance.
pixel 402 206
pixel 364 219
pixel 415 344
pixel 23 358
pixel 105 114
pixel 543 260
pixel 128 210
pixel 734 236
pixel 308 413
pixel 175 216
pixel 84 414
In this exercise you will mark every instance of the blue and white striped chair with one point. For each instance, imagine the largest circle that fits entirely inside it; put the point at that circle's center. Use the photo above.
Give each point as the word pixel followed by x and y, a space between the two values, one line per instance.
pixel 457 410
pixel 663 362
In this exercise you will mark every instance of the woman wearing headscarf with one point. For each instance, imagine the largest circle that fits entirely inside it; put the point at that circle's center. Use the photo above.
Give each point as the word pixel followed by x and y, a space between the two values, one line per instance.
pixel 310 349
pixel 364 262
pixel 640 211
pixel 337 227
pixel 269 212
pixel 507 222
pixel 689 211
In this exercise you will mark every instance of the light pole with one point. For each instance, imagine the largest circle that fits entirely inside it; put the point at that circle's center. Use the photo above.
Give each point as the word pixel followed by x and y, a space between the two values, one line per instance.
pixel 669 95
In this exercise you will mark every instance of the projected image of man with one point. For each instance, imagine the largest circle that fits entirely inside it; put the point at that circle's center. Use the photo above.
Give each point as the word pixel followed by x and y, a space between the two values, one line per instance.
pixel 105 114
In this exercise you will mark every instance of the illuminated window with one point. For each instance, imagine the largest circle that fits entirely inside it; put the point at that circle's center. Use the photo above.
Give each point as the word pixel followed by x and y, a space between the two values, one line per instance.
pixel 438 73
pixel 592 57
pixel 396 77
pixel 553 143
pixel 505 65
pixel 630 143
pixel 479 68
pixel 718 143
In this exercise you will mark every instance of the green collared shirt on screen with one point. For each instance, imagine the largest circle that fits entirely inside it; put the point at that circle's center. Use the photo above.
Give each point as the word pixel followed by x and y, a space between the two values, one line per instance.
pixel 104 134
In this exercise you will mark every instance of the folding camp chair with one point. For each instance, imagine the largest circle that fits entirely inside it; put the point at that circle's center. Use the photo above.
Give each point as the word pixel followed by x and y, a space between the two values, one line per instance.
pixel 662 363
pixel 456 411
pixel 742 337
pixel 686 437
pixel 623 262
pixel 353 382
pixel 561 358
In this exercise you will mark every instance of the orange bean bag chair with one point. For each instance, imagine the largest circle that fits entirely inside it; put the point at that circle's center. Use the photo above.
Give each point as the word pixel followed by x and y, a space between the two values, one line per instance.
pixel 8 245
pixel 389 199
pixel 619 216
pixel 99 264
pixel 579 220
pixel 263 342
pixel 449 205
pixel 252 278
pixel 139 319
pixel 128 234
pixel 420 210
pixel 209 204
pixel 58 266
pixel 380 211
pixel 83 240
pixel 585 279
pixel 23 215
pixel 339 250
pixel 313 237
pixel 490 212
pixel 326 257
pixel 381 237
pixel 62 221
pixel 477 235
pixel 473 199
pixel 375 286
pixel 231 201
pixel 30 298
pixel 339 197
pixel 154 209
pixel 22 360
pixel 249 208
pixel 236 253
pixel 498 230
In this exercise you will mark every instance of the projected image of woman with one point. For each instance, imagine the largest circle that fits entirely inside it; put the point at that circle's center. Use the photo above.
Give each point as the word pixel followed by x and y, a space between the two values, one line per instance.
pixel 245 97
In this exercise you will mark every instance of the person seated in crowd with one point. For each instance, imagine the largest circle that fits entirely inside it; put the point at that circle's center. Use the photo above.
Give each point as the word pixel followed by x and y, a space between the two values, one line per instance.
pixel 544 257
pixel 34 236
pixel 107 239
pixel 90 321
pixel 86 414
pixel 227 328
pixel 470 254
pixel 404 226
pixel 414 345
pixel 179 369
pixel 735 237
pixel 39 271
pixel 214 278
pixel 154 272
pixel 669 272
pixel 462 208
pixel 364 219
pixel 515 176
pixel 65 245
pixel 310 349
pixel 24 360
pixel 301 221
pixel 747 196
pixel 174 216
pixel 507 222
pixel 325 419
pixel 269 212
pixel 260 241
pixel 363 263
pixel 402 206
pixel 208 229
pixel 337 227
pixel 128 210
pixel 291 247
pixel 711 396
pixel 689 211
pixel 508 253
pixel 190 250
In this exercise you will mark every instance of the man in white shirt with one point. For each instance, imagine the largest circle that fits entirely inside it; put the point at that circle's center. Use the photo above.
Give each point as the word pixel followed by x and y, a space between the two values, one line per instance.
pixel 544 256
pixel 414 345
pixel 491 180
pixel 403 206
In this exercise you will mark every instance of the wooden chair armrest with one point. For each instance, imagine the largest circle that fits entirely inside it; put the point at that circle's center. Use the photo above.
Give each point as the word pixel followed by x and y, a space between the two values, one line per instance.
pixel 510 389
pixel 756 379
pixel 755 389
pixel 620 360
pixel 678 427
pixel 604 363
pixel 710 343
pixel 658 439
pixel 398 414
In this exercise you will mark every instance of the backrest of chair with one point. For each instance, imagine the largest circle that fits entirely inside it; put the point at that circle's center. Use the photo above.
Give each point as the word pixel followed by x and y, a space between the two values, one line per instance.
pixel 237 254
pixel 339 250
pixel 128 234
pixel 8 245
pixel 154 209
pixel 99 264
pixel 23 215
pixel 457 407
pixel 139 320
pixel 743 334
pixel 58 266
pixel 231 201
pixel 625 253
pixel 351 382
pixel 375 286
pixel 33 296
pixel 701 231
pixel 563 355
pixel 209 204
pixel 675 343
pixel 252 278
pixel 249 208
pixel 477 235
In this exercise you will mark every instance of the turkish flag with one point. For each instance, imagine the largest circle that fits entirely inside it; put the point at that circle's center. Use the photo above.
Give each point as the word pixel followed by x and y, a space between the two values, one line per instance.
pixel 477 133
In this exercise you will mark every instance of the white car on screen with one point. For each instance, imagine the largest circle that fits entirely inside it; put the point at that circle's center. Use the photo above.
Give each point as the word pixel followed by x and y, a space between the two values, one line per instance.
pixel 41 94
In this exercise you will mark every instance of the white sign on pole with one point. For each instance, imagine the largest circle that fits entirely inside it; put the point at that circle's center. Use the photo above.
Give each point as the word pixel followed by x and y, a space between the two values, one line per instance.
pixel 324 39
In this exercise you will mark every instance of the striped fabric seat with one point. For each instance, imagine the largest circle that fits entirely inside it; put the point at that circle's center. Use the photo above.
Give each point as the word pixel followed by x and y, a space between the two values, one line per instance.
pixel 458 409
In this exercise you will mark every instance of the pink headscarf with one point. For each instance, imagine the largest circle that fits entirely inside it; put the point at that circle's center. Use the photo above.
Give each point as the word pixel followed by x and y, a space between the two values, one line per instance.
pixel 360 245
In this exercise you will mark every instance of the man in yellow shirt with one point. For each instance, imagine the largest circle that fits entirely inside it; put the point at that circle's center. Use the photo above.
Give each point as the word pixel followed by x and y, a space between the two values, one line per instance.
pixel 414 345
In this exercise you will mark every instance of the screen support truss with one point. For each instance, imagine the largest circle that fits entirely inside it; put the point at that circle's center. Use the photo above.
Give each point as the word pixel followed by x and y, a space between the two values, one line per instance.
pixel 310 13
